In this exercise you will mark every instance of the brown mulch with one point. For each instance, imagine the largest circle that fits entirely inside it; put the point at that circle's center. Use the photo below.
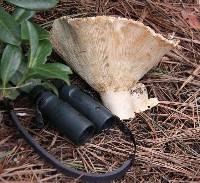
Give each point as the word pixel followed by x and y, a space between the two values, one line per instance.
pixel 168 136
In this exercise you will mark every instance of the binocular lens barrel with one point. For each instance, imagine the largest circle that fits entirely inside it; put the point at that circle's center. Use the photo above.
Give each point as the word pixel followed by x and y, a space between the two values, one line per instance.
pixel 94 111
pixel 68 120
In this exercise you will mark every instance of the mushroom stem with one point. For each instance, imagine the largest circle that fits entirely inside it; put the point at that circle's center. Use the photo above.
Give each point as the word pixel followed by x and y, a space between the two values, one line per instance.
pixel 125 104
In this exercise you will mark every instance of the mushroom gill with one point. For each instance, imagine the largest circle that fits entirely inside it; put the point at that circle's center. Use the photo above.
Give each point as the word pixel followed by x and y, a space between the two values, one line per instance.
pixel 112 55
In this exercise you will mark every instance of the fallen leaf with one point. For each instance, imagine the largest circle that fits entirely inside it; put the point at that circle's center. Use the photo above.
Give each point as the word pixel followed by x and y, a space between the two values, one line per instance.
pixel 192 19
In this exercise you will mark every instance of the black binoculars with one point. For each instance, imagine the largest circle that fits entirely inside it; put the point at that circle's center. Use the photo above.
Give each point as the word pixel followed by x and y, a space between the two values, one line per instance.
pixel 79 117
pixel 75 114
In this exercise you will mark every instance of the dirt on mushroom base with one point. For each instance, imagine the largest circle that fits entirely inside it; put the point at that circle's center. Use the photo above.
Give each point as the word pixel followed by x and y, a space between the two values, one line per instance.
pixel 168 136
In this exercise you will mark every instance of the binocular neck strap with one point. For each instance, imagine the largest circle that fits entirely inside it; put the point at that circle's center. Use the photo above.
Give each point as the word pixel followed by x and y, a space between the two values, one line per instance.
pixel 90 177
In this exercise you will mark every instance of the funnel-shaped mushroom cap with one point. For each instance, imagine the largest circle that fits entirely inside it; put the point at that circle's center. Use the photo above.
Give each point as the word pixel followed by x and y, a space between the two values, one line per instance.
pixel 110 54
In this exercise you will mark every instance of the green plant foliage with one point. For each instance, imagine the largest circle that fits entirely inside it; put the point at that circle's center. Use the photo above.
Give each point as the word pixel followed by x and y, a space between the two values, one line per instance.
pixel 44 49
pixel 34 42
pixel 24 50
pixel 12 93
pixel 19 73
pixel 34 4
pixel 30 84
pixel 51 87
pixel 9 29
pixel 18 76
pixel 10 62
pixel 42 34
pixel 22 15
pixel 50 71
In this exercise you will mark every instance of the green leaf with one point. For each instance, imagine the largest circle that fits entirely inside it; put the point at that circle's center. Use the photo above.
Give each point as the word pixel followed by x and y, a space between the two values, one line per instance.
pixel 9 29
pixel 30 85
pixel 22 15
pixel 9 92
pixel 43 51
pixel 19 73
pixel 51 87
pixel 50 71
pixel 10 62
pixel 12 93
pixel 33 39
pixel 34 4
pixel 42 33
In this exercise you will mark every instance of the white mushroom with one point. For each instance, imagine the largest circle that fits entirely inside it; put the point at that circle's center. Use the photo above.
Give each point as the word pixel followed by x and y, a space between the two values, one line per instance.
pixel 112 54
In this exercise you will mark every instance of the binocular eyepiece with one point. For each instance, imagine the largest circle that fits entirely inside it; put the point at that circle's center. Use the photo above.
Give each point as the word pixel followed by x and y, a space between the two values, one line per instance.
pixel 77 115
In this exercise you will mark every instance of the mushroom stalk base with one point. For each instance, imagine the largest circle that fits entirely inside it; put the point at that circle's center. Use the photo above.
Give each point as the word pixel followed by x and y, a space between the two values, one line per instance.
pixel 125 104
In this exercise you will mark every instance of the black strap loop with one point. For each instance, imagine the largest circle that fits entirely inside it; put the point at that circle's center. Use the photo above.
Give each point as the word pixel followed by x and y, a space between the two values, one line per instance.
pixel 90 177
